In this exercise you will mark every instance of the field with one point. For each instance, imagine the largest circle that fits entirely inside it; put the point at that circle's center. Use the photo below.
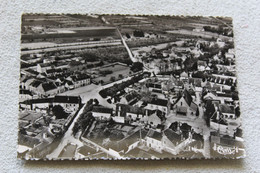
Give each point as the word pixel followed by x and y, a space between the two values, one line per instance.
pixel 83 33
pixel 117 70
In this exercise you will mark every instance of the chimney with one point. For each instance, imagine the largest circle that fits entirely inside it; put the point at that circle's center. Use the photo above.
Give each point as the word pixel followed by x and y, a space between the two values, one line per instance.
pixel 119 110
pixel 217 118
pixel 217 111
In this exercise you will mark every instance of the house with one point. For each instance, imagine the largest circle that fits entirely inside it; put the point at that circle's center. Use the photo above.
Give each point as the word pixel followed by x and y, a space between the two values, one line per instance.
pixel 208 69
pixel 47 89
pixel 185 105
pixel 219 116
pixel 156 118
pixel 37 104
pixel 227 112
pixel 25 83
pixel 41 75
pixel 158 104
pixel 153 140
pixel 152 86
pixel 24 95
pixel 196 82
pixel 33 87
pixel 201 65
pixel 102 113
pixel 218 123
pixel 81 80
pixel 179 85
pixel 208 85
pixel 229 55
pixel 185 130
pixel 126 113
pixel 225 97
pixel 210 96
pixel 217 88
pixel 60 87
pixel 170 138
pixel 166 53
pixel 194 86
pixel 69 103
pixel 130 98
pixel 57 126
pixel 184 76
pixel 43 67
pixel 69 84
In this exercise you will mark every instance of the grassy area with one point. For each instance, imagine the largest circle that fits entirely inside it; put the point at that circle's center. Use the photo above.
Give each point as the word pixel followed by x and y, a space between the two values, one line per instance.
pixel 29 116
pixel 68 151
pixel 117 71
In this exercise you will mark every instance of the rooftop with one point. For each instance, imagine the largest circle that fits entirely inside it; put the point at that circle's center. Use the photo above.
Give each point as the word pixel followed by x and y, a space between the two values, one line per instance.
pixel 48 86
pixel 101 109
pixel 22 91
pixel 154 134
pixel 172 136
pixel 226 109
pixel 67 99
pixel 160 102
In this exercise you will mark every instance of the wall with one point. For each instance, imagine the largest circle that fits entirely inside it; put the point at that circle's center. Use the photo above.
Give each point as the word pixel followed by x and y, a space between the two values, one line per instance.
pixel 246 15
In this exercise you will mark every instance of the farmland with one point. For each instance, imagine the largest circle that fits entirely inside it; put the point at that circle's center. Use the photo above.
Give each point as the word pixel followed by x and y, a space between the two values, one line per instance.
pixel 64 35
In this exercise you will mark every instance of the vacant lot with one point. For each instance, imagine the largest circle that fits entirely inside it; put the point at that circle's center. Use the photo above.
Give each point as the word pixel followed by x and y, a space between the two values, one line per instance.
pixel 117 70
pixel 29 116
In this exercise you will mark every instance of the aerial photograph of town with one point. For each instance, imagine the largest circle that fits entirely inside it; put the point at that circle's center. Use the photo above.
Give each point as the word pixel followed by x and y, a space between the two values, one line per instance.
pixel 128 87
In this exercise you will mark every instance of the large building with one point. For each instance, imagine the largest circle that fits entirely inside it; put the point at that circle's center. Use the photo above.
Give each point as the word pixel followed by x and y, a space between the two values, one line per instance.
pixel 69 103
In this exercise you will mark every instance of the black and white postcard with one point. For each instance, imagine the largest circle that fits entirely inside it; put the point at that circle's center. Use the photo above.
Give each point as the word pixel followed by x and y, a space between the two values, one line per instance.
pixel 128 87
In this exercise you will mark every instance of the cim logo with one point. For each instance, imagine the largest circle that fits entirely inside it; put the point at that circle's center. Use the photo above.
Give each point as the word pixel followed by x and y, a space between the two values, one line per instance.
pixel 224 150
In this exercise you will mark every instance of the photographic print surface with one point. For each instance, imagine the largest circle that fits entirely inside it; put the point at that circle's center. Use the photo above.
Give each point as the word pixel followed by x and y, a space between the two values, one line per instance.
pixel 127 87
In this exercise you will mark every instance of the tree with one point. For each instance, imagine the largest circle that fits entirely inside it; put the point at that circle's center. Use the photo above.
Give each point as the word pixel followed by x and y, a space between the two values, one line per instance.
pixel 75 128
pixel 137 66
pixel 74 63
pixel 96 101
pixel 237 112
pixel 90 57
pixel 22 131
pixel 120 76
pixel 59 112
pixel 235 96
pixel 113 79
pixel 127 35
pixel 106 72
pixel 101 82
pixel 90 102
pixel 195 66
pixel 137 33
pixel 233 88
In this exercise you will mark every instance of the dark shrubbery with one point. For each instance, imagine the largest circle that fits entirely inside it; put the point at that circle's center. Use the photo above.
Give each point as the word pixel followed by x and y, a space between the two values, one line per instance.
pixel 138 33
pixel 111 91
pixel 59 112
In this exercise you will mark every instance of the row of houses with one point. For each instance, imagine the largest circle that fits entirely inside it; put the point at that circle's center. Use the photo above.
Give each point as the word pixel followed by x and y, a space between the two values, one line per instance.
pixel 69 103
pixel 49 87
